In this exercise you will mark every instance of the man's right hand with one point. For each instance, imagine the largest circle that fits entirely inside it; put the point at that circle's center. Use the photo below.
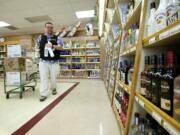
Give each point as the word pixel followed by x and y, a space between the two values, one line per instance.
pixel 49 45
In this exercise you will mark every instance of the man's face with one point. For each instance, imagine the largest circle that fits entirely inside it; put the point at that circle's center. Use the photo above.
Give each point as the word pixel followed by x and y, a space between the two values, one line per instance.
pixel 48 29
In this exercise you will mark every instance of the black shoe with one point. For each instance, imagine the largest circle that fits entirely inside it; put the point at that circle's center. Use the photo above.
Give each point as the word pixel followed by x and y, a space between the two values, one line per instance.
pixel 54 92
pixel 42 98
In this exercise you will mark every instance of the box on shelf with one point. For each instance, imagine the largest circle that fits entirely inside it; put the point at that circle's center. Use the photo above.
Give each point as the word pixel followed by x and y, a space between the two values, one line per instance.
pixel 15 64
pixel 15 78
pixel 16 51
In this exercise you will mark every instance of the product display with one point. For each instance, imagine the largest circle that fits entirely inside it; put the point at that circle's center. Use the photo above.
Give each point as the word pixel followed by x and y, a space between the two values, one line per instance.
pixel 148 65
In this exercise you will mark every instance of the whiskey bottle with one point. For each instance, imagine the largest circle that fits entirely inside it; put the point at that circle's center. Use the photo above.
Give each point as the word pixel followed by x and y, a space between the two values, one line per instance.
pixel 167 83
pixel 156 80
pixel 135 127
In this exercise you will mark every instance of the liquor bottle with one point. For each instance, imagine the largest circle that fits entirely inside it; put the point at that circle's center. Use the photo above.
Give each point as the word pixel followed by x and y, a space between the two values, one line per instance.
pixel 156 80
pixel 167 81
pixel 172 11
pixel 135 127
pixel 130 73
pixel 143 90
pixel 160 15
pixel 125 70
pixel 151 72
pixel 120 70
pixel 147 124
pixel 151 21
pixel 142 126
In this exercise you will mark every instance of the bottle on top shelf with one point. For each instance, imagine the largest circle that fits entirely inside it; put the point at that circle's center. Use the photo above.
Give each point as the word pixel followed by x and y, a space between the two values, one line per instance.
pixel 167 82
pixel 160 15
pixel 151 21
pixel 173 11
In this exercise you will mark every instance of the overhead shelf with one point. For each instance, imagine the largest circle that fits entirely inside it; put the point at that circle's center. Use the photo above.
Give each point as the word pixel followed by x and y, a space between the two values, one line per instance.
pixel 129 51
pixel 124 86
pixel 166 36
pixel 170 124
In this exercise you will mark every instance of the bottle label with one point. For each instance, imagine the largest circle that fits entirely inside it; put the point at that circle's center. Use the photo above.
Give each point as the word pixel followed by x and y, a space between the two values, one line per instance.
pixel 160 21
pixel 143 85
pixel 165 104
pixel 172 14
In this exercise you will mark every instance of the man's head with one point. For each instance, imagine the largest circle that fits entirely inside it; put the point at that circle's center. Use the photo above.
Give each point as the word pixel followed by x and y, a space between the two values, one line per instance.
pixel 48 28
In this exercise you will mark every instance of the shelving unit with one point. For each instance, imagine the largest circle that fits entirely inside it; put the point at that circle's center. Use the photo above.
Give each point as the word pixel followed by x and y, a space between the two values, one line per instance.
pixel 83 52
pixel 161 41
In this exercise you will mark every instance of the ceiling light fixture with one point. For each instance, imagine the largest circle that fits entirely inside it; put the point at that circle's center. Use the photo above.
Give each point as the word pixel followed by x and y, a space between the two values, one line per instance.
pixel 85 14
pixel 101 16
pixel 3 24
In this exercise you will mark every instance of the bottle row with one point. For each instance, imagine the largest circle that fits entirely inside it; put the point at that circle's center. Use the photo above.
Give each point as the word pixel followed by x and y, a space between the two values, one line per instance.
pixel 62 59
pixel 160 82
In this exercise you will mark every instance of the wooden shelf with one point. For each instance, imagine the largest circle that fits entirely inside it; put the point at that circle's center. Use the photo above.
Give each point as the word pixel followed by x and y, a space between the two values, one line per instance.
pixel 92 69
pixel 122 128
pixel 63 63
pixel 129 51
pixel 65 69
pixel 170 124
pixel 81 48
pixel 78 62
pixel 92 62
pixel 166 36
pixel 132 19
pixel 124 86
pixel 78 69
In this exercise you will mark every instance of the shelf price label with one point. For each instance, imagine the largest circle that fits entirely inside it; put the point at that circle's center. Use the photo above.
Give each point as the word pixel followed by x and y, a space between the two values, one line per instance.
pixel 152 40
pixel 170 129
pixel 136 98
pixel 164 35
pixel 141 103
pixel 157 117
pixel 175 30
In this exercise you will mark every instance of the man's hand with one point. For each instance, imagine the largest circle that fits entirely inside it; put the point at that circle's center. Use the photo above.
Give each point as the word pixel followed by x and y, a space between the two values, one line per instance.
pixel 49 45
pixel 55 47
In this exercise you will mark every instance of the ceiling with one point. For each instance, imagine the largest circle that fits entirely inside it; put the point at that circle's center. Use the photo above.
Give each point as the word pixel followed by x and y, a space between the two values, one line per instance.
pixel 62 13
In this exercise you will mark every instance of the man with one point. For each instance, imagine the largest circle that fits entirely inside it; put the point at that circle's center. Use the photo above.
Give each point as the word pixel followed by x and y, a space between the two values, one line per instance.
pixel 48 64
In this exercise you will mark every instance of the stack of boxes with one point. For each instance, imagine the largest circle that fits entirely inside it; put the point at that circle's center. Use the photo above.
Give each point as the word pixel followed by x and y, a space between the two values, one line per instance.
pixel 17 65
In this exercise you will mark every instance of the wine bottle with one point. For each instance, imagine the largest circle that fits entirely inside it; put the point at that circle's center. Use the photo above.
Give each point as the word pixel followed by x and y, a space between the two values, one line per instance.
pixel 156 80
pixel 167 81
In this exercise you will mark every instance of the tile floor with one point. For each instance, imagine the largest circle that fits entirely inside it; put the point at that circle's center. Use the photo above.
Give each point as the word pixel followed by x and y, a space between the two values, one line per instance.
pixel 84 111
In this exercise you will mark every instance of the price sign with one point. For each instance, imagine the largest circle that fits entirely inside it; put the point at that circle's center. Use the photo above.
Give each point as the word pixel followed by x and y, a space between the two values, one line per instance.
pixel 141 103
pixel 175 30
pixel 164 35
pixel 152 40
pixel 170 129
pixel 136 98
pixel 157 117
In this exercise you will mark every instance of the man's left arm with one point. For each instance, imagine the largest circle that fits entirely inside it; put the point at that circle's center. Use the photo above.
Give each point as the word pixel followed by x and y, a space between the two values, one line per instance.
pixel 59 45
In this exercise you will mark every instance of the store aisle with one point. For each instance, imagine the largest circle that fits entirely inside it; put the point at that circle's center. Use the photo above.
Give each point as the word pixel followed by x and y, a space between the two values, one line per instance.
pixel 85 111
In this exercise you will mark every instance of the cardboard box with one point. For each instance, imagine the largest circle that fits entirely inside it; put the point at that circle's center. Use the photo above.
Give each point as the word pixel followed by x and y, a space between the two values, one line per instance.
pixel 15 78
pixel 15 64
pixel 16 51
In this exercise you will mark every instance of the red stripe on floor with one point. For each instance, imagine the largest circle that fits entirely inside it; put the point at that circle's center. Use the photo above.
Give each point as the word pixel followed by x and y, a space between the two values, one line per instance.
pixel 28 125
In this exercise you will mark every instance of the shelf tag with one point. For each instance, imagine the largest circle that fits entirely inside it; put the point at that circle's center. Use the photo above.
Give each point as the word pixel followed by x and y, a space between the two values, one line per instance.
pixel 141 103
pixel 175 30
pixel 164 35
pixel 170 129
pixel 136 98
pixel 157 117
pixel 152 40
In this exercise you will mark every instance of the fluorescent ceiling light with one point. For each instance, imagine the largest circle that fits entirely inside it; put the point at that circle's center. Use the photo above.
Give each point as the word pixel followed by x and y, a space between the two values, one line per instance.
pixel 101 16
pixel 85 14
pixel 3 24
